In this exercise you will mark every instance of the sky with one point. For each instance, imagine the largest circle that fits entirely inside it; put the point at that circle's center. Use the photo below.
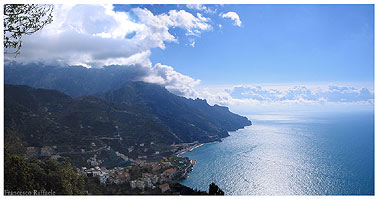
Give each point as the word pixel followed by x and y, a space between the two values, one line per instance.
pixel 247 57
pixel 282 43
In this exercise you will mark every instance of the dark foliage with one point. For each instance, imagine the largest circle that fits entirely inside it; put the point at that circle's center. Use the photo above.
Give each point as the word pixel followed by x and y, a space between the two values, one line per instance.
pixel 214 189
pixel 47 118
pixel 29 175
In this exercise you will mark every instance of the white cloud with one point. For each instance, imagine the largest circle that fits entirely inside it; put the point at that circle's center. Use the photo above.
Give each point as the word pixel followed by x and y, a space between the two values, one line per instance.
pixel 160 24
pixel 174 81
pixel 196 6
pixel 233 16
pixel 96 36
pixel 201 7
pixel 250 98
pixel 303 94
pixel 193 44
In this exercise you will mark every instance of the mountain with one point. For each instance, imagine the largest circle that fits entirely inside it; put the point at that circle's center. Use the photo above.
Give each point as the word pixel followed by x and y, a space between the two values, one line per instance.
pixel 74 81
pixel 191 120
pixel 43 117
pixel 137 113
pixel 81 109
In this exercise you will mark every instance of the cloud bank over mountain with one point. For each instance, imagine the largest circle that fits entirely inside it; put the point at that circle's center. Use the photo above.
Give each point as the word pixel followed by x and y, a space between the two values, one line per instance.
pixel 96 36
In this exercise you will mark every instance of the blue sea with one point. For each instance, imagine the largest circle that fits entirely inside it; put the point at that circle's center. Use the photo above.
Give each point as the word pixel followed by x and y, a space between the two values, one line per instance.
pixel 291 154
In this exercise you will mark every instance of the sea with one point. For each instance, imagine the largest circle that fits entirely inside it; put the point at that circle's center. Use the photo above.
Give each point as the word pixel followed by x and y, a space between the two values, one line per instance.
pixel 291 154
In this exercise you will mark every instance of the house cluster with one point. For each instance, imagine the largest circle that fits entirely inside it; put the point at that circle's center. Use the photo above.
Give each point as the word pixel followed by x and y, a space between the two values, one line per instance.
pixel 43 151
pixel 155 167
pixel 147 180
pixel 152 181
pixel 159 173
pixel 154 175
pixel 120 175
pixel 140 184
pixel 93 161
pixel 117 175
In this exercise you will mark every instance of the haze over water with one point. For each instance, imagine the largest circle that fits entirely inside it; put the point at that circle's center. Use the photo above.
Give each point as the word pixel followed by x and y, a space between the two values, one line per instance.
pixel 301 154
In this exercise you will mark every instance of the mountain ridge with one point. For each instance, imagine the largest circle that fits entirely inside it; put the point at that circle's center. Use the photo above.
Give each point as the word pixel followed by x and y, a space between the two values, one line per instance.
pixel 45 117
pixel 196 113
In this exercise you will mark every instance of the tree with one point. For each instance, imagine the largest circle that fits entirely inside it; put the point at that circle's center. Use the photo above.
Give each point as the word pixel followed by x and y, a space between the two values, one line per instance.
pixel 23 19
pixel 17 174
pixel 34 174
pixel 214 189
pixel 13 142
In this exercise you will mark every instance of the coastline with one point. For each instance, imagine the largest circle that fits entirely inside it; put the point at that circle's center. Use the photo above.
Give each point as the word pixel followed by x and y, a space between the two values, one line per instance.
pixel 191 148
pixel 196 145
pixel 188 147
pixel 192 162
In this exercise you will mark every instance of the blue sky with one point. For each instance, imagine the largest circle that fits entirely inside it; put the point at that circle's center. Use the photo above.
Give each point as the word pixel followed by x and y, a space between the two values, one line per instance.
pixel 280 43
pixel 242 56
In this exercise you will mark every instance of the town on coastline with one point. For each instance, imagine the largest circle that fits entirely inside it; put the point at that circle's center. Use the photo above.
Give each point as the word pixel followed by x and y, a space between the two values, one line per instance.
pixel 141 175
pixel 107 147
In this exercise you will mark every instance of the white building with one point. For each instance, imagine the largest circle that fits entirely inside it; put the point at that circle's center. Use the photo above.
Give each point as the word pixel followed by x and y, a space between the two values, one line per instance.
pixel 133 184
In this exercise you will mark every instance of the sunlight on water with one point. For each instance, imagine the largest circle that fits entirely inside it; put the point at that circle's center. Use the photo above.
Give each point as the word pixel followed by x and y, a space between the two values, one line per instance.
pixel 291 155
